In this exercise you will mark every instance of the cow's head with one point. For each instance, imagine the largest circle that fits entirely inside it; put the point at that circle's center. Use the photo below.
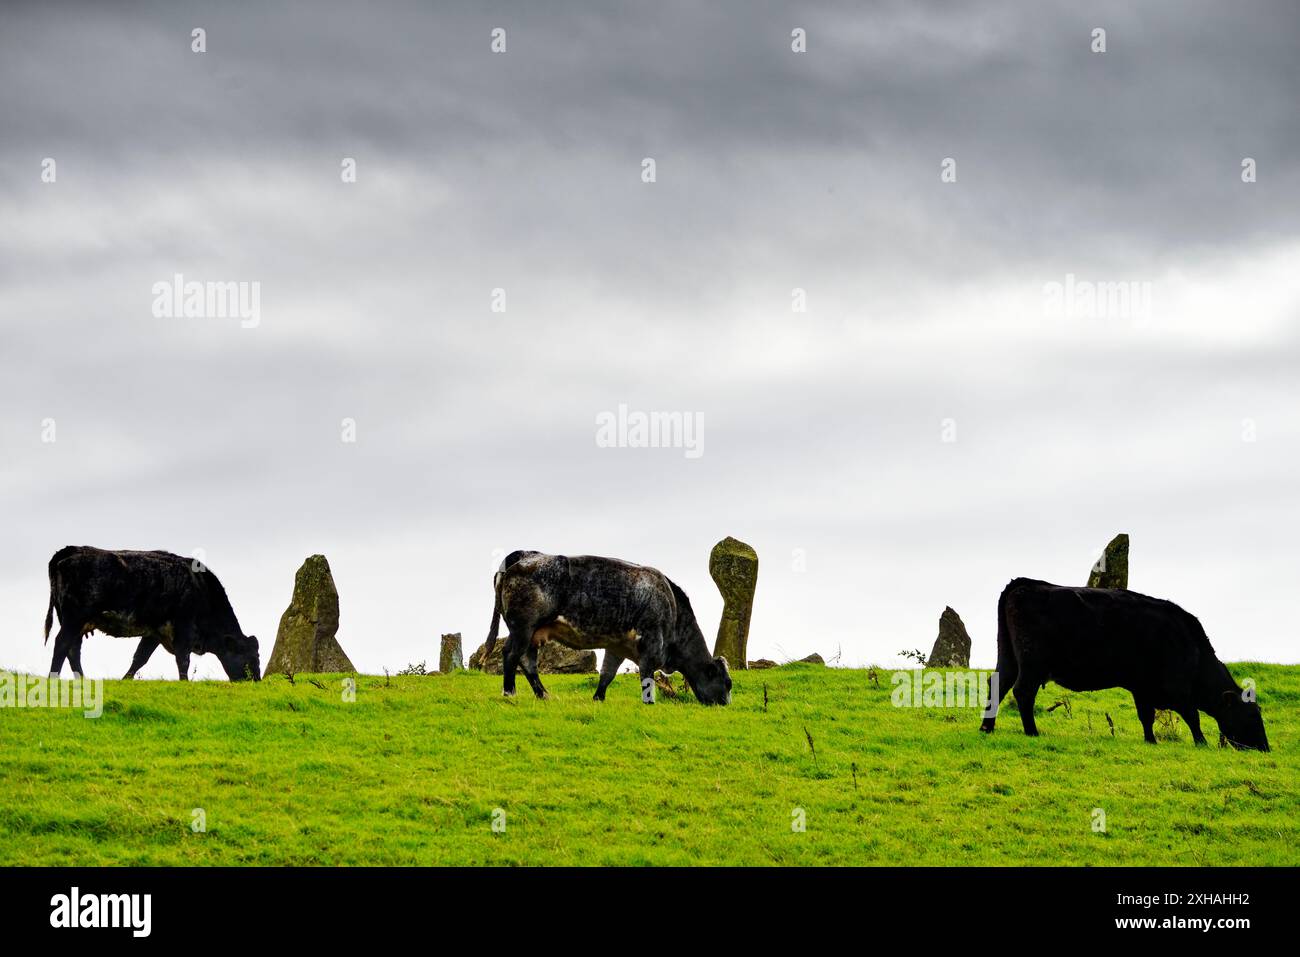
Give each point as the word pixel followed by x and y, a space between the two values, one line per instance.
pixel 239 656
pixel 712 682
pixel 1242 723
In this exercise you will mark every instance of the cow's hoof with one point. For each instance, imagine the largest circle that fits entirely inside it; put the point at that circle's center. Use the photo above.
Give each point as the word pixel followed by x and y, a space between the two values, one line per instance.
pixel 986 730
pixel 128 677
pixel 507 694
pixel 598 697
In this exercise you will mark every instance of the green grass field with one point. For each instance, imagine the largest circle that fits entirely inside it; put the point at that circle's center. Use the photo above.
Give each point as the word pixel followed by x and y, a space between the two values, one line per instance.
pixel 412 771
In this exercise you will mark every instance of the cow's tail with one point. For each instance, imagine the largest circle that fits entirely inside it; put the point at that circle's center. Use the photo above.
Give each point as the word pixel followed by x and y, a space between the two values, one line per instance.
pixel 1008 663
pixel 49 612
pixel 1004 631
pixel 496 618
pixel 496 601
pixel 1007 669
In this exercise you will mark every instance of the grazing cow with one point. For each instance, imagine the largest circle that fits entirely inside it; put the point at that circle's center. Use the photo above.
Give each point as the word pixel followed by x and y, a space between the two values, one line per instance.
pixel 584 602
pixel 166 599
pixel 1086 639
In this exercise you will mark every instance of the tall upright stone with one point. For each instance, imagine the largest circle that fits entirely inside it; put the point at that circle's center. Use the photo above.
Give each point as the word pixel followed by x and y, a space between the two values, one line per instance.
pixel 450 655
pixel 952 646
pixel 1111 570
pixel 733 565
pixel 305 641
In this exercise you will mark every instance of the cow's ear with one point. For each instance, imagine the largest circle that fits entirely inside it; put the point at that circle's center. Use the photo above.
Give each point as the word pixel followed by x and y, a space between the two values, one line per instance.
pixel 1230 698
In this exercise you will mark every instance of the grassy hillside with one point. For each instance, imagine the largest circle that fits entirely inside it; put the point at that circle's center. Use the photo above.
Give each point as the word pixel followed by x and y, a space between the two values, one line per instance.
pixel 411 772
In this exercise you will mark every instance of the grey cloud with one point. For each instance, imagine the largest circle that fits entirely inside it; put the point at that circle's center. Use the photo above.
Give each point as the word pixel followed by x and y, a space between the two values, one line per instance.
pixel 775 171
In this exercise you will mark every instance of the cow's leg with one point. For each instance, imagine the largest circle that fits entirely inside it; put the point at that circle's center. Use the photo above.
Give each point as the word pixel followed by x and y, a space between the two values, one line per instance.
pixel 1000 682
pixel 1147 715
pixel 182 645
pixel 74 654
pixel 63 643
pixel 1026 690
pixel 650 648
pixel 516 644
pixel 148 644
pixel 1193 719
pixel 608 669
pixel 529 661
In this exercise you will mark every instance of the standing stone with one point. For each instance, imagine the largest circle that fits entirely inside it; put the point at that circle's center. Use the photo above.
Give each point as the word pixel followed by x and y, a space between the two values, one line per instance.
pixel 952 647
pixel 1111 570
pixel 734 568
pixel 552 659
pixel 305 641
pixel 450 656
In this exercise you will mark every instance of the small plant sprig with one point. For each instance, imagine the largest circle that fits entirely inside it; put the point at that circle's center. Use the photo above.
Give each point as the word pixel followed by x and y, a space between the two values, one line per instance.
pixel 1167 722
pixel 1063 702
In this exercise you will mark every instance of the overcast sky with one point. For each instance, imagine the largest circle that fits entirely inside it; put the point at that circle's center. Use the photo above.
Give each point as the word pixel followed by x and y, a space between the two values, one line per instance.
pixel 928 429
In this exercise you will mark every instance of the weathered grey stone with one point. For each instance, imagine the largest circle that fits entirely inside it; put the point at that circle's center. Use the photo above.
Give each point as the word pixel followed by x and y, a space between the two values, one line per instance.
pixel 450 655
pixel 813 659
pixel 1111 570
pixel 952 647
pixel 553 659
pixel 761 663
pixel 305 641
pixel 733 565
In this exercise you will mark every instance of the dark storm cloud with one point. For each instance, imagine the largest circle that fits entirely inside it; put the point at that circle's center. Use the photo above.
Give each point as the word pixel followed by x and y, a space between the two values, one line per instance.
pixel 1052 141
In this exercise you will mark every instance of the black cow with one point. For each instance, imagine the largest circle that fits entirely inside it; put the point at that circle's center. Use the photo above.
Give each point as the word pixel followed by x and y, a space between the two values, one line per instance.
pixel 585 602
pixel 167 599
pixel 1086 639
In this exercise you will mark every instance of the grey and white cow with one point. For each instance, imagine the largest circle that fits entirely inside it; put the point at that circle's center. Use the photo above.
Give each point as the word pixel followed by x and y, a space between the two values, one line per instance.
pixel 632 611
